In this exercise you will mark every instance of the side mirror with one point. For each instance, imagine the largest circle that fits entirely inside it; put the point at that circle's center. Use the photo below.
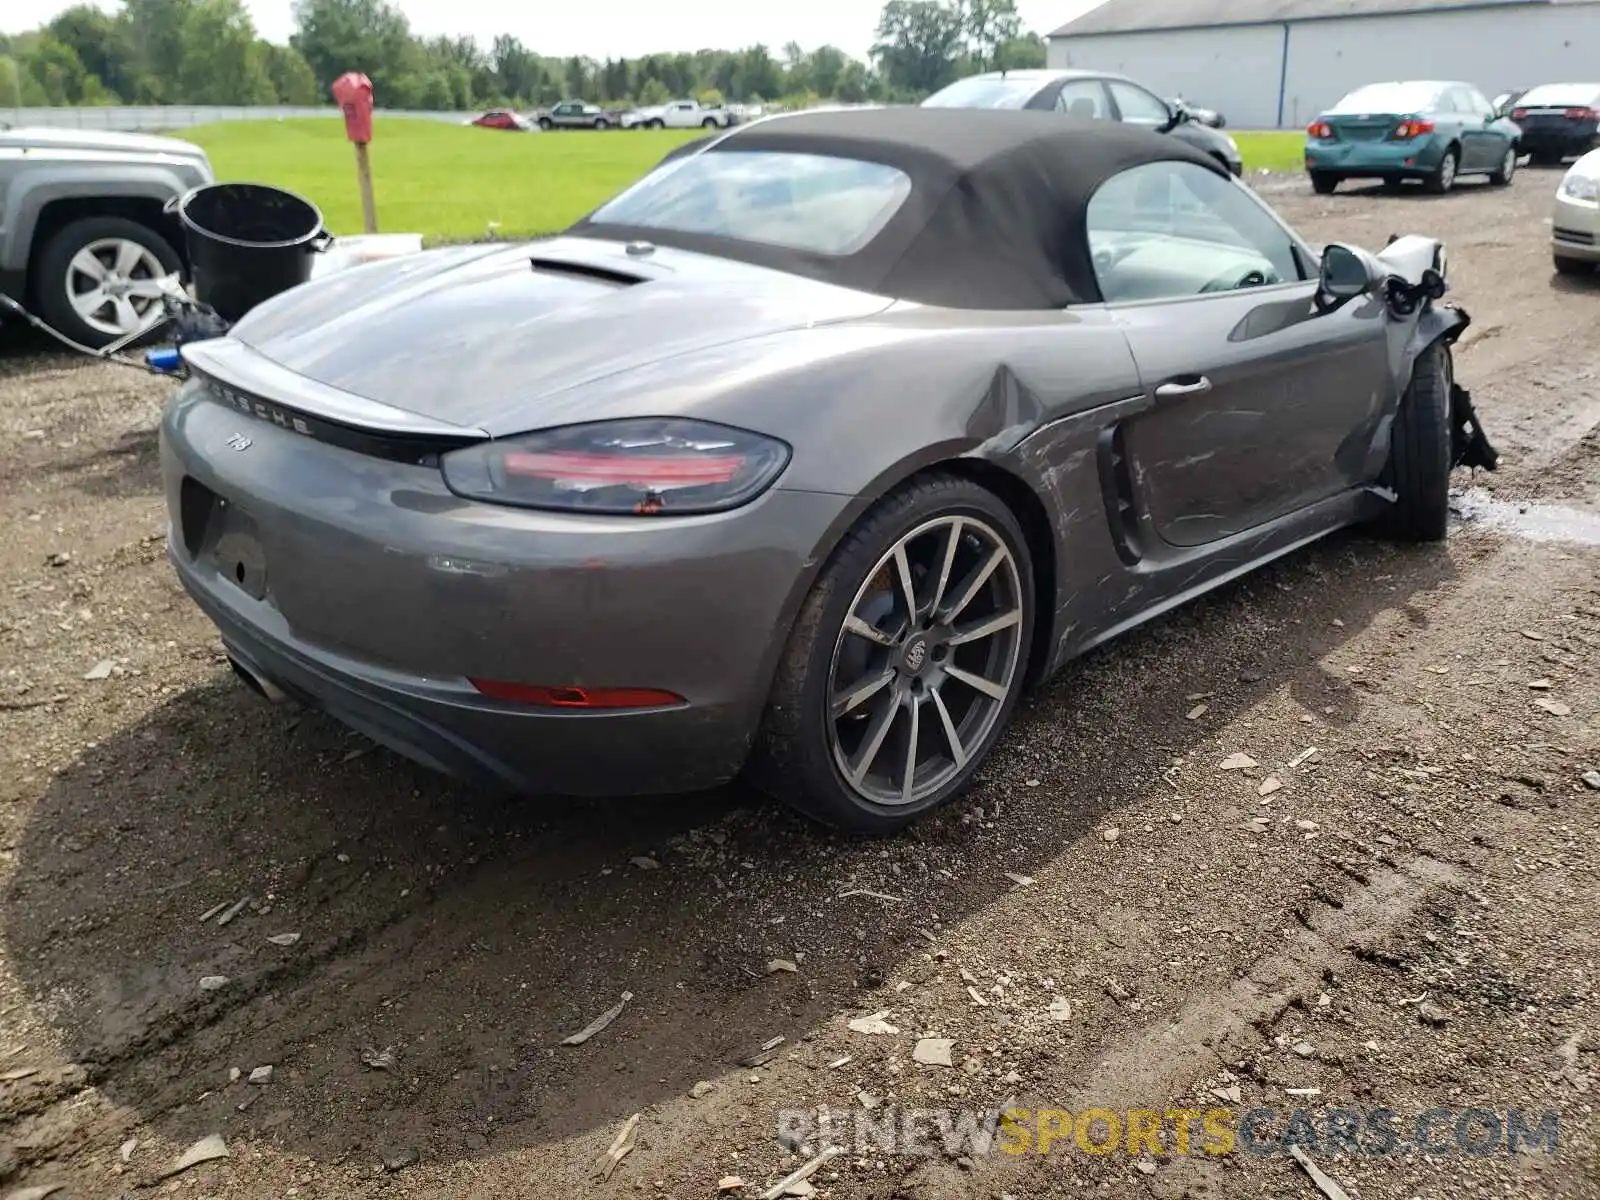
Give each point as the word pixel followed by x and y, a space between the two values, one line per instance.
pixel 1348 272
pixel 1175 116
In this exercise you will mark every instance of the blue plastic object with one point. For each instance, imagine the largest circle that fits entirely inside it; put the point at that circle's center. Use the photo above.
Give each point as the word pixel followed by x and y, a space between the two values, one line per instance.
pixel 167 360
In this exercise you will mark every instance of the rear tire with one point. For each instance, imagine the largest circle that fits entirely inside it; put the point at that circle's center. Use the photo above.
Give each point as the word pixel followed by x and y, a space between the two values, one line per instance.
pixel 1323 183
pixel 602 123
pixel 709 123
pixel 1419 452
pixel 546 124
pixel 1444 175
pixel 1573 266
pixel 903 676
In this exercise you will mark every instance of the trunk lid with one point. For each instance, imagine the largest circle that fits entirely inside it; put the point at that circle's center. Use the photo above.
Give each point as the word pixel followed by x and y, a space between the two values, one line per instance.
pixel 1364 127
pixel 476 337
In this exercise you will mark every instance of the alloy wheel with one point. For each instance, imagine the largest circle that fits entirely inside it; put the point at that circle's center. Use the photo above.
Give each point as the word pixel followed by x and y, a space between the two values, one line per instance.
pixel 1447 172
pixel 926 660
pixel 114 285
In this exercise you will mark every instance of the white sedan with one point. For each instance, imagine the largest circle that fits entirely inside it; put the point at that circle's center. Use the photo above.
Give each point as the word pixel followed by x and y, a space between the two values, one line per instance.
pixel 1575 225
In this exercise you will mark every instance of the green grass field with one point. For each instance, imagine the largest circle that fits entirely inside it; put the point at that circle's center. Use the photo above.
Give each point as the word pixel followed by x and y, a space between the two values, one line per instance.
pixel 1279 151
pixel 447 182
pixel 451 182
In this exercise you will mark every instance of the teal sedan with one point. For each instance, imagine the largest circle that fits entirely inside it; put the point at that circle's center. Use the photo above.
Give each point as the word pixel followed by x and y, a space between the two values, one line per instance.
pixel 1432 131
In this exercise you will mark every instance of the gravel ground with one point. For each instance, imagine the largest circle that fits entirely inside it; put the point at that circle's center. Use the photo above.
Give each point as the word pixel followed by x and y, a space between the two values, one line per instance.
pixel 1408 921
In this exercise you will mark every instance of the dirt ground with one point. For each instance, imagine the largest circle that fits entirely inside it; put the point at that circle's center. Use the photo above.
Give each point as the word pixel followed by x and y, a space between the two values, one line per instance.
pixel 1111 921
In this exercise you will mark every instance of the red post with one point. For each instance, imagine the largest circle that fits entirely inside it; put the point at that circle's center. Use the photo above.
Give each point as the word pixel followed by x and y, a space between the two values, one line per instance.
pixel 353 91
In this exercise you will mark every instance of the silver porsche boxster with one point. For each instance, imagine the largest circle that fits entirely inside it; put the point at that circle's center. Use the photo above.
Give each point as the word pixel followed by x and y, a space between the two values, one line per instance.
pixel 801 457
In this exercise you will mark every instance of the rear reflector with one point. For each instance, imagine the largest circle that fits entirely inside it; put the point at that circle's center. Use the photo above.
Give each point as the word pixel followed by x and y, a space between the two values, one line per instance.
pixel 540 696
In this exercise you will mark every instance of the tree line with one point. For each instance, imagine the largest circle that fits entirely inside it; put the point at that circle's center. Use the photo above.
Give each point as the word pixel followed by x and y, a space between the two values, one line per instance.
pixel 208 52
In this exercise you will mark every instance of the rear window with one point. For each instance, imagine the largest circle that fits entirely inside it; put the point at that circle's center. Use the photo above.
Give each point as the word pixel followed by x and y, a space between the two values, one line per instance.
pixel 1561 95
pixel 1397 98
pixel 811 202
pixel 984 93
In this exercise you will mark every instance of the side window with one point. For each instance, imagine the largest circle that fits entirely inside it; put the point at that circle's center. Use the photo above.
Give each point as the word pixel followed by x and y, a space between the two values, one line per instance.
pixel 1084 98
pixel 1480 103
pixel 1139 107
pixel 1169 230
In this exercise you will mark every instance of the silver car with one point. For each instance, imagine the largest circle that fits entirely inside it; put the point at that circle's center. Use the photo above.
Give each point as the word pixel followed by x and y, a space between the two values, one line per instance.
pixel 84 236
pixel 803 455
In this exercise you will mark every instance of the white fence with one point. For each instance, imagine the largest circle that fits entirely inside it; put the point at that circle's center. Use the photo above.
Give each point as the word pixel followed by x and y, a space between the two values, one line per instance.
pixel 156 119
pixel 132 119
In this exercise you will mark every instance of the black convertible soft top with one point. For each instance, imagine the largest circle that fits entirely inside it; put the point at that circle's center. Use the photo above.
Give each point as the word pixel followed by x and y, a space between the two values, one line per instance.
pixel 996 214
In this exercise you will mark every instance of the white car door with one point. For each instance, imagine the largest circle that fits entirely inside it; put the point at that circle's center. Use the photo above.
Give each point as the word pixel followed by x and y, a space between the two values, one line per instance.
pixel 682 115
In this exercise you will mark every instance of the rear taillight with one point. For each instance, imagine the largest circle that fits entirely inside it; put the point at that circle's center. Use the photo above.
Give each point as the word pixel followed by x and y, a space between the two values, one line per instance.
pixel 1320 129
pixel 1519 114
pixel 1410 128
pixel 638 466
pixel 1580 114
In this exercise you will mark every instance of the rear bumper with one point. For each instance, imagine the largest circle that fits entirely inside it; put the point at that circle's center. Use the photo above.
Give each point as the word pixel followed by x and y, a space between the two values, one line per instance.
pixel 1374 160
pixel 456 733
pixel 1566 144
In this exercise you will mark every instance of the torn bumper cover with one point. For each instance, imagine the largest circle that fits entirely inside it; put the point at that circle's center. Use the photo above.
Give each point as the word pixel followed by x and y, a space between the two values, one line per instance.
pixel 1469 445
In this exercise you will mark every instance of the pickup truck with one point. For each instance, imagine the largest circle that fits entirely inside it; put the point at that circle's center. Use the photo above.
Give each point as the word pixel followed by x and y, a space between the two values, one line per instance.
pixel 680 114
pixel 575 114
pixel 83 238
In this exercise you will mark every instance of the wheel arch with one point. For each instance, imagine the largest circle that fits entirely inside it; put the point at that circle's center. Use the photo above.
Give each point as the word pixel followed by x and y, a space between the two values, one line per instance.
pixel 36 210
pixel 58 214
pixel 1019 496
pixel 1444 323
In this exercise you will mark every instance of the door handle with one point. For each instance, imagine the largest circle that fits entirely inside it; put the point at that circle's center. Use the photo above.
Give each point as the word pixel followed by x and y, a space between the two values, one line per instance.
pixel 1193 386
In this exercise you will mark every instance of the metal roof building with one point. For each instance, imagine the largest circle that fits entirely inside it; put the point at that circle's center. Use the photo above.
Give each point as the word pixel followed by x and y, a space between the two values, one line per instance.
pixel 1277 63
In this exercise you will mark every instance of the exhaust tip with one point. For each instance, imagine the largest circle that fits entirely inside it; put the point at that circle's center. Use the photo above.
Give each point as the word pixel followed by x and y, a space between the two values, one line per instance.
pixel 258 684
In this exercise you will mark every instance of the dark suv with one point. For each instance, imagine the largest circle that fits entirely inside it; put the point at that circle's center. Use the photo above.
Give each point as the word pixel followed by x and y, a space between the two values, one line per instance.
pixel 1558 120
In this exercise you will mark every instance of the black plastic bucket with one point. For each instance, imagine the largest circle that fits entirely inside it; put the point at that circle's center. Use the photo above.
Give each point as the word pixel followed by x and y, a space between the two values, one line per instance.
pixel 247 243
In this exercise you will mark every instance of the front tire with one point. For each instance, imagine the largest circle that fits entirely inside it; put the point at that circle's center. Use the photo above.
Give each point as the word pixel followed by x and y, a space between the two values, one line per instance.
pixel 905 662
pixel 602 123
pixel 1324 182
pixel 1419 452
pixel 96 278
pixel 546 124
pixel 1573 266
pixel 1508 168
pixel 1444 175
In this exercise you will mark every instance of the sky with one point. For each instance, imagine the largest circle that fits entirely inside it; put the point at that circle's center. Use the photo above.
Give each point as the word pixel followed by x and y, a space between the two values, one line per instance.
pixel 615 28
